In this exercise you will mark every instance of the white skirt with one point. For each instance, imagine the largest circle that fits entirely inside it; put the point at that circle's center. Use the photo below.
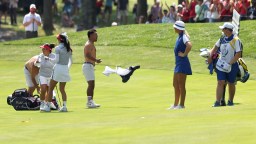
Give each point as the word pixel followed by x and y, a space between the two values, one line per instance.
pixel 61 73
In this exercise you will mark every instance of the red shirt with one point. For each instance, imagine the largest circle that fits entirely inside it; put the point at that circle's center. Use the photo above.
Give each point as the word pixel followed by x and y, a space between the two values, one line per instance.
pixel 185 14
pixel 192 9
pixel 99 4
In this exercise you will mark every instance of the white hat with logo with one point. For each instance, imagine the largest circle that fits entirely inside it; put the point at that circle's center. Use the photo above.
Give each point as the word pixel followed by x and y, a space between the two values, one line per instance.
pixel 227 25
pixel 180 25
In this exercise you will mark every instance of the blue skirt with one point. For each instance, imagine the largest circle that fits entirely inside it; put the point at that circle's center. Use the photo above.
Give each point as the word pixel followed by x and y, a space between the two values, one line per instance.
pixel 183 66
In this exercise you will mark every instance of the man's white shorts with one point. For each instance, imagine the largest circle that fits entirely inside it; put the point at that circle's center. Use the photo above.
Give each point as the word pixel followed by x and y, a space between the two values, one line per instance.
pixel 88 71
pixel 28 78
pixel 44 80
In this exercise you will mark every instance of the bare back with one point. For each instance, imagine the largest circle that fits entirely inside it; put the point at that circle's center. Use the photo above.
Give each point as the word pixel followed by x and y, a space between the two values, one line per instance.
pixel 33 70
pixel 89 52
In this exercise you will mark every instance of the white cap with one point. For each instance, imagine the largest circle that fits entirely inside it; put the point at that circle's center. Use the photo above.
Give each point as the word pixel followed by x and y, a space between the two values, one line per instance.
pixel 227 25
pixel 180 6
pixel 32 6
pixel 114 24
pixel 180 25
pixel 158 1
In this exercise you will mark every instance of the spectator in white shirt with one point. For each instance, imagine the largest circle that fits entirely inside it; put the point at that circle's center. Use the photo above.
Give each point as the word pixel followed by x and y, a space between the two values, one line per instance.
pixel 31 22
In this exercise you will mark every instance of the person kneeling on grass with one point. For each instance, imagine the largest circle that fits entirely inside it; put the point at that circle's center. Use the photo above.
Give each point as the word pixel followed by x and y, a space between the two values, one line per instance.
pixel 31 74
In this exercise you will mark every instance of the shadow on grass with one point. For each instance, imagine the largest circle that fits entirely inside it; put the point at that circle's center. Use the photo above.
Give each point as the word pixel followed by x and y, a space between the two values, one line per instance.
pixel 8 34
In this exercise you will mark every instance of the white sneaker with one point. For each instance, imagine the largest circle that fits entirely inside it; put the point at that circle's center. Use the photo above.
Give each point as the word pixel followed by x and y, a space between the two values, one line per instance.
pixel 52 106
pixel 46 108
pixel 63 109
pixel 92 104
pixel 42 105
pixel 179 107
pixel 182 107
pixel 172 107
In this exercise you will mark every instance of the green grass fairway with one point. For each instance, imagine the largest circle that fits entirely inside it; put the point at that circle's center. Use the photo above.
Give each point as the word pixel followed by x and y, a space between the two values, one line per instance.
pixel 131 113
pixel 134 112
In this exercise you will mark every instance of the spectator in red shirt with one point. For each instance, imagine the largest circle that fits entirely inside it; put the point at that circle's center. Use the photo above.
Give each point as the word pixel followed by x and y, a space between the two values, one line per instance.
pixel 185 14
pixel 226 12
pixel 192 11
pixel 241 7
pixel 99 5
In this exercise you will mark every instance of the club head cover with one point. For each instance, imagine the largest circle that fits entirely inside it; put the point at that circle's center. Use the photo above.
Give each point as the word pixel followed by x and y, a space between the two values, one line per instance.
pixel 126 77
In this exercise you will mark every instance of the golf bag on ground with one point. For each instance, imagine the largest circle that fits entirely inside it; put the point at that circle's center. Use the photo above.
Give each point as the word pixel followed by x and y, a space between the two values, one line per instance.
pixel 21 100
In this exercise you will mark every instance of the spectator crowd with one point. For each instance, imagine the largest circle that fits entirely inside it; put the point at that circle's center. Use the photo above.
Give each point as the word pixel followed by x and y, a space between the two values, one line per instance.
pixel 200 11
pixel 188 11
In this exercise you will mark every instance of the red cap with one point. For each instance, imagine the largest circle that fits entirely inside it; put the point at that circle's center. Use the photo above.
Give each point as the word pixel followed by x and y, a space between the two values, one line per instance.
pixel 46 46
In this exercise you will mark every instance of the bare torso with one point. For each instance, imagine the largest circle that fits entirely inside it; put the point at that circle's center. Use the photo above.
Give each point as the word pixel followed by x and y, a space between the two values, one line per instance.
pixel 89 52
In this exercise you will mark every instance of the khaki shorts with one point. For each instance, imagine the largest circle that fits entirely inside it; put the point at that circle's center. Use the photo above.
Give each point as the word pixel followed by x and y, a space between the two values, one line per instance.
pixel 28 78
pixel 88 71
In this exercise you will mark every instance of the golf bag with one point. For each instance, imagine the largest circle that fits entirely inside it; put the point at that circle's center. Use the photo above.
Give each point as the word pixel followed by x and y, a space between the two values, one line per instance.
pixel 243 74
pixel 21 100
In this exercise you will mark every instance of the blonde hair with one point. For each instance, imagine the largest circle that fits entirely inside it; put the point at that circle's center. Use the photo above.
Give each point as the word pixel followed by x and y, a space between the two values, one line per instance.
pixel 186 33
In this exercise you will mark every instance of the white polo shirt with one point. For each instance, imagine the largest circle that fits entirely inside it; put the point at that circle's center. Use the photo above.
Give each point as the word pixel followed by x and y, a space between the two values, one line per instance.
pixel 32 26
pixel 227 52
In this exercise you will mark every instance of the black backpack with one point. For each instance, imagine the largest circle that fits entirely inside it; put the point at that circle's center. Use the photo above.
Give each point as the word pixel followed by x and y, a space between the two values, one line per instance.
pixel 21 100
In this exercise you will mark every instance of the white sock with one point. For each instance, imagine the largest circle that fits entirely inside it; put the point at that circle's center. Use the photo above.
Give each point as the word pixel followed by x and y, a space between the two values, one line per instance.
pixel 89 98
pixel 64 103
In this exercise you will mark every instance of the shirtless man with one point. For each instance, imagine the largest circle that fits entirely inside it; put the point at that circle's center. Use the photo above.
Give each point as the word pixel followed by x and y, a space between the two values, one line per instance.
pixel 31 74
pixel 88 66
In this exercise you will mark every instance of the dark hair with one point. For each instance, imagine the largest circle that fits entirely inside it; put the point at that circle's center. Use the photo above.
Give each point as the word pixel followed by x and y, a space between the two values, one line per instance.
pixel 51 45
pixel 90 32
pixel 229 29
pixel 173 7
pixel 66 43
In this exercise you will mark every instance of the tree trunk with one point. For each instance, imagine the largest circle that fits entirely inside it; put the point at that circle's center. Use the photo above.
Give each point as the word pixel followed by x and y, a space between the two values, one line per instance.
pixel 47 17
pixel 89 14
pixel 142 10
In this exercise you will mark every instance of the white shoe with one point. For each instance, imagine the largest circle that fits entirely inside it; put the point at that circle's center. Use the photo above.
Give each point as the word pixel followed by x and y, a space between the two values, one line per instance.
pixel 172 107
pixel 52 106
pixel 92 104
pixel 182 107
pixel 46 108
pixel 63 109
pixel 42 105
pixel 179 107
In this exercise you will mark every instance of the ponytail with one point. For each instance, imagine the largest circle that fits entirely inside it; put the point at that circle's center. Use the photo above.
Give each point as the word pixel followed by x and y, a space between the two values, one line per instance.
pixel 63 38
